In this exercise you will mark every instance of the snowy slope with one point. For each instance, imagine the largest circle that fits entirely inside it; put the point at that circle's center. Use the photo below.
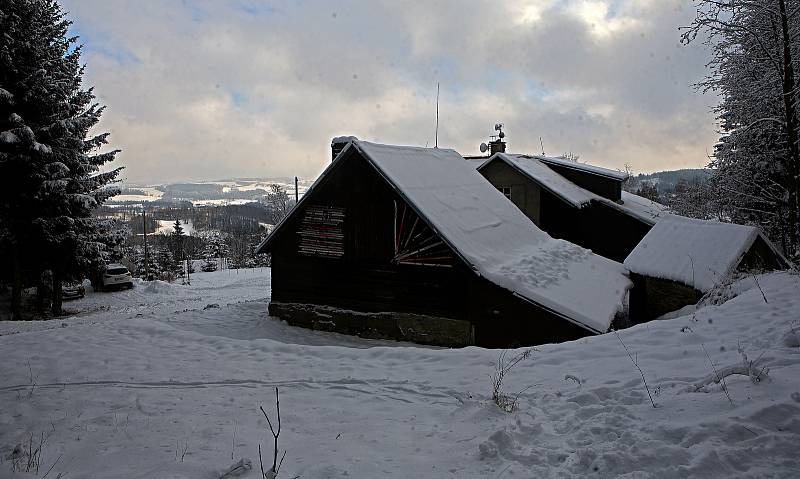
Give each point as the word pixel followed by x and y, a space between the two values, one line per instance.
pixel 123 390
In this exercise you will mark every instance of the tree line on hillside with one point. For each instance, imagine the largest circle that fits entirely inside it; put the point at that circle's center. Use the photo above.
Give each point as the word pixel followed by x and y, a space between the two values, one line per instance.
pixel 174 256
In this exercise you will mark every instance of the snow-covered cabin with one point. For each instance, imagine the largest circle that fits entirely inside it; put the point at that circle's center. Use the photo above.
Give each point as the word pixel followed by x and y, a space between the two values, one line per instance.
pixel 578 202
pixel 681 259
pixel 412 243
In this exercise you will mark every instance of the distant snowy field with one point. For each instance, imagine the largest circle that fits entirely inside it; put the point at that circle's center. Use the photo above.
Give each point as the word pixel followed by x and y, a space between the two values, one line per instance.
pixel 152 383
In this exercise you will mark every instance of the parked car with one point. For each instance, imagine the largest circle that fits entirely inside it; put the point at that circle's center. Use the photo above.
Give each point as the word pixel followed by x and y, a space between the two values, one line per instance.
pixel 117 276
pixel 72 291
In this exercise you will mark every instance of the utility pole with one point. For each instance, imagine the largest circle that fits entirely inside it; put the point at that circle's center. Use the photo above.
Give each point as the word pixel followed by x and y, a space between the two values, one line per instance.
pixel 436 136
pixel 187 258
pixel 295 190
pixel 146 254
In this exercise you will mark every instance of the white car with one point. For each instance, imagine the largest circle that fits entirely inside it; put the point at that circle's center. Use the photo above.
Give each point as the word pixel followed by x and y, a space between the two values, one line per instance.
pixel 117 276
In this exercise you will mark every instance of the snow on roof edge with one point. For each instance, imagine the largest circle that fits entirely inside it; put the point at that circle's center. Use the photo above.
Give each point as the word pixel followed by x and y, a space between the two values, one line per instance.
pixel 589 168
pixel 650 217
pixel 506 157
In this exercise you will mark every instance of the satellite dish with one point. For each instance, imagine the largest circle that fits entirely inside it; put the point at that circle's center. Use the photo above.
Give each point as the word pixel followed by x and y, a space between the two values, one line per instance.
pixel 484 147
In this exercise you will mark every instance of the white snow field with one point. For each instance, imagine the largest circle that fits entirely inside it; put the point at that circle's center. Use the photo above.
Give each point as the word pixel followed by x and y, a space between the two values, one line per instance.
pixel 147 383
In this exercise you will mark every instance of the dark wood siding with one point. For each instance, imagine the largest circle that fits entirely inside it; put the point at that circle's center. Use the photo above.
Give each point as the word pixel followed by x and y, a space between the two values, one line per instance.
pixel 504 320
pixel 654 297
pixel 760 257
pixel 609 232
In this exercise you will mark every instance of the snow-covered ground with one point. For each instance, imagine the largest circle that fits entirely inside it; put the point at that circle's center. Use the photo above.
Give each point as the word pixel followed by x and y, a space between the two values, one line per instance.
pixel 153 383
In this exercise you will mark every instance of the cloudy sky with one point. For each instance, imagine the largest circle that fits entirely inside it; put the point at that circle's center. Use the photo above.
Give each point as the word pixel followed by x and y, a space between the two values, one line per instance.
pixel 212 89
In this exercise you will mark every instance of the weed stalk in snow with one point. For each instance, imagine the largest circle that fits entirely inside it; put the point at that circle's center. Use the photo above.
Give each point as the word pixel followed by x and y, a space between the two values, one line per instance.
pixel 636 364
pixel 506 402
pixel 719 378
pixel 759 288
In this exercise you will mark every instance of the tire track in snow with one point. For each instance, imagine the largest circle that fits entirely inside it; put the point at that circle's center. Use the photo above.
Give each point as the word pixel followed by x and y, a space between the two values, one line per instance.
pixel 420 389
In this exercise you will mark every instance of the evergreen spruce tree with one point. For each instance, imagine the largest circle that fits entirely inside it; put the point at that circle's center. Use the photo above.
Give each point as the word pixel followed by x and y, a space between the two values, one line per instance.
pixel 176 242
pixel 210 262
pixel 145 265
pixel 167 265
pixel 649 190
pixel 49 165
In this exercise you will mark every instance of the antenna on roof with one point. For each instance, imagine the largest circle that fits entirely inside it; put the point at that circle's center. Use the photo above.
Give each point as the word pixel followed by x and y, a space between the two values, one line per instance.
pixel 542 143
pixel 436 136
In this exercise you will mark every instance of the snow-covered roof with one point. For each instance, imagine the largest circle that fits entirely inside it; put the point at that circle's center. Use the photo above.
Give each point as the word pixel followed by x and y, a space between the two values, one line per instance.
pixel 694 252
pixel 533 168
pixel 496 239
pixel 639 207
pixel 644 209
pixel 492 236
pixel 477 162
pixel 597 170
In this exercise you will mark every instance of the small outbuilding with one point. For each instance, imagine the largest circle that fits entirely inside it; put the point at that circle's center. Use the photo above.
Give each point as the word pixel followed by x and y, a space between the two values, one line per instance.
pixel 581 203
pixel 681 259
pixel 413 244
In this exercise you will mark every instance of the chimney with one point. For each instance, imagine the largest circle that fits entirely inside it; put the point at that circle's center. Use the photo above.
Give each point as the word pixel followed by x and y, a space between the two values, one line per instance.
pixel 497 146
pixel 339 143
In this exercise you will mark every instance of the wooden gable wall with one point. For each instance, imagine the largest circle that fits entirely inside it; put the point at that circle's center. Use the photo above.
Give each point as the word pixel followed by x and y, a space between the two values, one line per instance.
pixel 363 277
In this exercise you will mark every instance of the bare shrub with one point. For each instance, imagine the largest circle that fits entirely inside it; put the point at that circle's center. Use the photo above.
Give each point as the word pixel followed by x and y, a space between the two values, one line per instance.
pixel 272 472
pixel 27 457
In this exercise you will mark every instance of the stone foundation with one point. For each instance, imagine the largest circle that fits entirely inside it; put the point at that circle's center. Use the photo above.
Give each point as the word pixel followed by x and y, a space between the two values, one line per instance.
pixel 417 328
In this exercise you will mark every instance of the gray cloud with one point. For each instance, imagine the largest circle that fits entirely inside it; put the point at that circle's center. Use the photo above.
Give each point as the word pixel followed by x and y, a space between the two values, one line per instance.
pixel 208 89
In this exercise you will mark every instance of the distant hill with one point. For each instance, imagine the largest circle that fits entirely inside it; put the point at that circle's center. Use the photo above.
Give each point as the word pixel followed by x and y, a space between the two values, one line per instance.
pixel 233 191
pixel 665 181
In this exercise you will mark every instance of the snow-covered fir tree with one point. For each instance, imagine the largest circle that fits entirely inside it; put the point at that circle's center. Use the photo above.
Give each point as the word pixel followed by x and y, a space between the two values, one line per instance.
pixel 210 261
pixel 49 165
pixel 176 244
pixel 146 265
pixel 169 268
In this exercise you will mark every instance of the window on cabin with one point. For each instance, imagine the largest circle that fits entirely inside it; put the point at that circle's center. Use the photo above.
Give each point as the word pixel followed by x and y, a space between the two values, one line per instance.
pixel 321 231
pixel 506 190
